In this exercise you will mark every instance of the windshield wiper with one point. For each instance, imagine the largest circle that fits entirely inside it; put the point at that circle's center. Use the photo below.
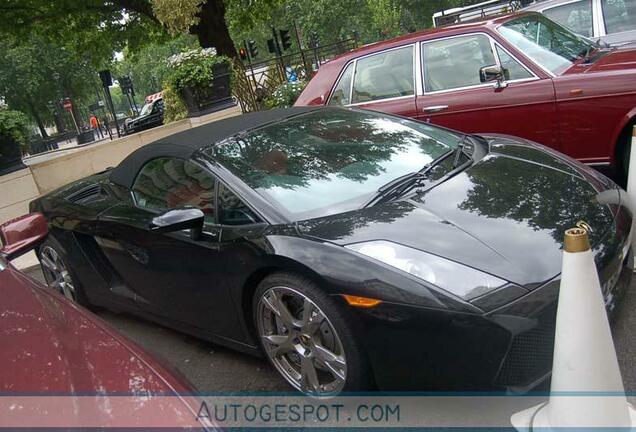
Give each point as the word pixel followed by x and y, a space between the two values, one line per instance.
pixel 397 187
pixel 464 147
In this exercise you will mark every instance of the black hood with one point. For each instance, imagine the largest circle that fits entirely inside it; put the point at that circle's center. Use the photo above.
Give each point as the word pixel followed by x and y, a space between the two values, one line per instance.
pixel 504 215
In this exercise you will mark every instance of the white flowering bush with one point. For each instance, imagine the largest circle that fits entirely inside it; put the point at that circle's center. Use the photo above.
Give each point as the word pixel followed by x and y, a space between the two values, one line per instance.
pixel 285 94
pixel 194 68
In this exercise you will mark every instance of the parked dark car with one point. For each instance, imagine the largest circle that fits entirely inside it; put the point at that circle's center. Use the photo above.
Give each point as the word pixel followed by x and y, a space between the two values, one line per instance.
pixel 53 348
pixel 357 249
pixel 151 115
pixel 520 74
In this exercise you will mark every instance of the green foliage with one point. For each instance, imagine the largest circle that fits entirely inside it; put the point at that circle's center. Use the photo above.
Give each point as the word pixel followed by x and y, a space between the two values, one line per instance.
pixel 148 66
pixel 285 95
pixel 35 73
pixel 14 128
pixel 333 20
pixel 177 15
pixel 194 68
pixel 174 108
pixel 92 29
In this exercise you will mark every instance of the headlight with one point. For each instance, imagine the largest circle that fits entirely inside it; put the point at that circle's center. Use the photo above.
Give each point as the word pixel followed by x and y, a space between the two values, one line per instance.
pixel 458 279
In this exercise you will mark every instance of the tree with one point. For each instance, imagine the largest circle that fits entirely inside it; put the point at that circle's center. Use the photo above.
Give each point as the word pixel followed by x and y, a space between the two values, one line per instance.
pixel 14 133
pixel 35 73
pixel 148 66
pixel 101 27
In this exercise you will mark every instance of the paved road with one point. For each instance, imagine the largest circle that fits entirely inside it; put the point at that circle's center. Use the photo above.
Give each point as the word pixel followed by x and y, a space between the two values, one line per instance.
pixel 212 368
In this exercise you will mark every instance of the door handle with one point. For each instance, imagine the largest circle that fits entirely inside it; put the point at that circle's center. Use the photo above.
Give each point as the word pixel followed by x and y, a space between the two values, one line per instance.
pixel 435 108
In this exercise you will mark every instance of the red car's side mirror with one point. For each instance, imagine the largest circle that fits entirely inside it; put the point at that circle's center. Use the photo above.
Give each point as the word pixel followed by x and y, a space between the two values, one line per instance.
pixel 22 234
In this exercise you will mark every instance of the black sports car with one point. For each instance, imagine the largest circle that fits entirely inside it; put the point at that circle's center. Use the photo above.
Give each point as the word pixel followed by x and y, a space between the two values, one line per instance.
pixel 355 249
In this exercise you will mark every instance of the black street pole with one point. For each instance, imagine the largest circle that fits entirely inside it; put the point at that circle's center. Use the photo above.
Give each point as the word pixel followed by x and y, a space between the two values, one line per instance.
pixel 308 71
pixel 109 101
pixel 279 54
pixel 249 59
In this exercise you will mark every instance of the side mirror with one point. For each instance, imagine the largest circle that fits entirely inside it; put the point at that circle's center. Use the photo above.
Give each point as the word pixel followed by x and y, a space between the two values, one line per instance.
pixel 494 73
pixel 22 234
pixel 177 220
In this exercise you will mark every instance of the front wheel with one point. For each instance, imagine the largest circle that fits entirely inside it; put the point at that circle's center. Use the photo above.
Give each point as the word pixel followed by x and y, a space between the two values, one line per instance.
pixel 306 337
pixel 57 272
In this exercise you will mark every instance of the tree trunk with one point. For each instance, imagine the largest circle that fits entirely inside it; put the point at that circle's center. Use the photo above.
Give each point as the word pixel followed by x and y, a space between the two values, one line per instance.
pixel 37 118
pixel 212 30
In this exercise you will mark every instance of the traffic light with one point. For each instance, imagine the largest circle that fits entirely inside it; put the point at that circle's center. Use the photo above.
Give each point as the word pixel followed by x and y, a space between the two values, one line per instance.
pixel 285 39
pixel 314 42
pixel 271 46
pixel 251 46
pixel 126 84
pixel 107 80
pixel 242 53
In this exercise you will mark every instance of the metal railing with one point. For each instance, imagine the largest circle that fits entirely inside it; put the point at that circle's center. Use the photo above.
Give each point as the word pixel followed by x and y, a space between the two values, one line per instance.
pixel 260 79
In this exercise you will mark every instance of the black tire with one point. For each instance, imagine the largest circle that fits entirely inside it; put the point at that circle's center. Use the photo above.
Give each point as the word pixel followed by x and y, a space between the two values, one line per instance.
pixel 623 155
pixel 43 251
pixel 358 373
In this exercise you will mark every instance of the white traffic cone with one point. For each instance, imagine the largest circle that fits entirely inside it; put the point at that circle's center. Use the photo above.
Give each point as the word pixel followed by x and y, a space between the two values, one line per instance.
pixel 587 388
pixel 631 186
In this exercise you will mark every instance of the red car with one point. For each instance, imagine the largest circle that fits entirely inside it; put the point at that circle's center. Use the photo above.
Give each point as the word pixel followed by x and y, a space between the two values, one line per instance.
pixel 520 74
pixel 62 367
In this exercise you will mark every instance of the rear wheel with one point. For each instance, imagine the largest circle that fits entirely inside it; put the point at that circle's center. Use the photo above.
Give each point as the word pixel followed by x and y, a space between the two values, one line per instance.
pixel 57 272
pixel 306 337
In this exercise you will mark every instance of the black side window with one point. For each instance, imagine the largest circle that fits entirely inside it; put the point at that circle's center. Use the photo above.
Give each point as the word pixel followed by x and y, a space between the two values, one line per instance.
pixel 166 183
pixel 233 211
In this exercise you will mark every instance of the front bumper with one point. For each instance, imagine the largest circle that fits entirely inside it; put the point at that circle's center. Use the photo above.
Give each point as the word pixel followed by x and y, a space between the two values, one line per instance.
pixel 509 349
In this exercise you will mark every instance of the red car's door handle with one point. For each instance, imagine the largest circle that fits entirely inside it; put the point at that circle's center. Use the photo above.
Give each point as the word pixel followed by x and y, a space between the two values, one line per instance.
pixel 435 108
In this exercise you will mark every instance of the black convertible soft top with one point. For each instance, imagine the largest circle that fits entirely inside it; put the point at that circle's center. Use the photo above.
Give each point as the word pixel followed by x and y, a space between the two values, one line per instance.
pixel 184 144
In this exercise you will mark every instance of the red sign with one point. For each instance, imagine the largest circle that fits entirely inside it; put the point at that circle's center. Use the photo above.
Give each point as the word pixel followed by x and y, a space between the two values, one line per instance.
pixel 68 105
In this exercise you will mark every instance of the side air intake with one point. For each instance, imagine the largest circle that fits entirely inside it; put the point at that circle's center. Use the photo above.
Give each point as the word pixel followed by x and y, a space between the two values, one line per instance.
pixel 85 195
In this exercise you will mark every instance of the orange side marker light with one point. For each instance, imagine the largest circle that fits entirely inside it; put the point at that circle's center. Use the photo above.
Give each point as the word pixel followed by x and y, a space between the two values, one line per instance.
pixel 362 302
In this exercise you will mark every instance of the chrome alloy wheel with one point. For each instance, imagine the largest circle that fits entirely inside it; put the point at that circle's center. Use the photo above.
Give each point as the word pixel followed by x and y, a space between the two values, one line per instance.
pixel 301 342
pixel 56 274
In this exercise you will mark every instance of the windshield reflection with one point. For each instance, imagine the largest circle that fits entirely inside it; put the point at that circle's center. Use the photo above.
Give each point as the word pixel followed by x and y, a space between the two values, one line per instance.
pixel 333 158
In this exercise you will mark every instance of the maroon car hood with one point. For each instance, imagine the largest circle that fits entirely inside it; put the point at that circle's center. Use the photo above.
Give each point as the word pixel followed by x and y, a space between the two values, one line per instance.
pixel 619 59
pixel 50 346
pixel 53 349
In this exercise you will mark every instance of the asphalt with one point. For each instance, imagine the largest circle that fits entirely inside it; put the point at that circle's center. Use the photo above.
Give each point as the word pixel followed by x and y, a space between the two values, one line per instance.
pixel 213 368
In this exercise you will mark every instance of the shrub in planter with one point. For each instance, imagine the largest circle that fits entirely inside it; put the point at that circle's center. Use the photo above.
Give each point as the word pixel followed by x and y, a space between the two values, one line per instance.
pixel 174 107
pixel 202 78
pixel 14 132
pixel 285 95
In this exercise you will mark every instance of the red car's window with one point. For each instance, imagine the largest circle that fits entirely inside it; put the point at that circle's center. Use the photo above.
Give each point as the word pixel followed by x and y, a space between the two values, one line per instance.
pixel 455 62
pixel 516 70
pixel 384 75
pixel 341 95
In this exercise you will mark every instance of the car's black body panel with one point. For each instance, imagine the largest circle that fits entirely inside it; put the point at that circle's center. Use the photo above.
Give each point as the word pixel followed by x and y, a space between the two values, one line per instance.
pixel 493 216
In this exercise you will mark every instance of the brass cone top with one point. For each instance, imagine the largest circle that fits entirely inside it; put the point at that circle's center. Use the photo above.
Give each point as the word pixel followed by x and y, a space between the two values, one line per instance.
pixel 576 240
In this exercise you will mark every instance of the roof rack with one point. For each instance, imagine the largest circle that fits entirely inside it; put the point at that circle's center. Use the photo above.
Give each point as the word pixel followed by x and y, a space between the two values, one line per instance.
pixel 477 11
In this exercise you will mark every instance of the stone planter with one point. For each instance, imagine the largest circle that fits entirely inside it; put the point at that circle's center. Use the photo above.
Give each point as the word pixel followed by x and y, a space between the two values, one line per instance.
pixel 215 97
pixel 10 156
pixel 86 137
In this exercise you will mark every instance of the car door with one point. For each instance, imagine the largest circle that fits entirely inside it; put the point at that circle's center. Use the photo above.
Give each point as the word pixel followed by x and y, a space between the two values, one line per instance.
pixel 383 81
pixel 454 96
pixel 172 275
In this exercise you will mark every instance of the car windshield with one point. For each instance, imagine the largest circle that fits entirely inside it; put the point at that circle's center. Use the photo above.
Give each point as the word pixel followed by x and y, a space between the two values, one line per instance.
pixel 331 160
pixel 550 45
pixel 147 109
